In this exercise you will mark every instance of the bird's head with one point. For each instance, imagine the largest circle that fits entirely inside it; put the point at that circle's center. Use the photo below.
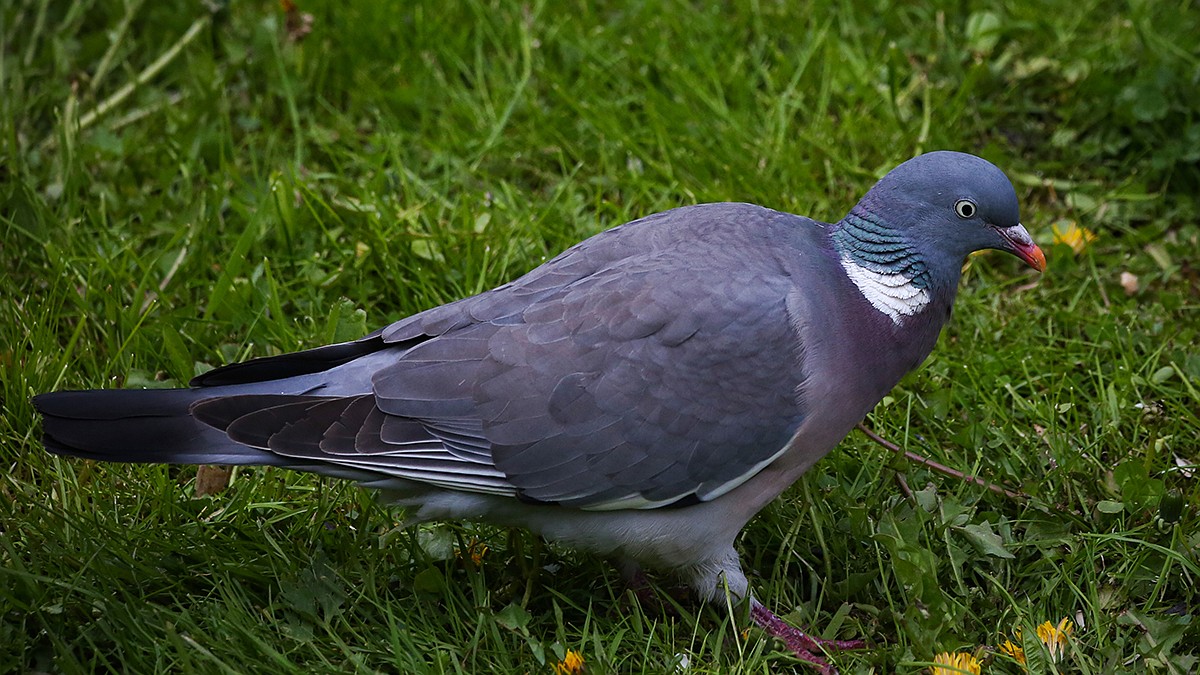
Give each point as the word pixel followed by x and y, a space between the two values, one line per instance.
pixel 949 205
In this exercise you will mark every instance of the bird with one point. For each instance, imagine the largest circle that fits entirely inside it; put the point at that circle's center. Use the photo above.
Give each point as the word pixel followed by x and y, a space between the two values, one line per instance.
pixel 641 396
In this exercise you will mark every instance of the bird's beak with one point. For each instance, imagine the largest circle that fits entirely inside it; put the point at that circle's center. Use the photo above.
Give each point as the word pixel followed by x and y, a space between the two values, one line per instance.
pixel 1021 245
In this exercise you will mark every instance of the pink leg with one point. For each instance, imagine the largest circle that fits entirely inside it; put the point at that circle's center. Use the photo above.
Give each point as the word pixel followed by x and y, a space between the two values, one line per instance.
pixel 806 647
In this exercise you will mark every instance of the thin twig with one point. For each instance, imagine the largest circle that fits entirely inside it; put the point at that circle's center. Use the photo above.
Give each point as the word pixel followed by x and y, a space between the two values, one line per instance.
pixel 903 483
pixel 940 468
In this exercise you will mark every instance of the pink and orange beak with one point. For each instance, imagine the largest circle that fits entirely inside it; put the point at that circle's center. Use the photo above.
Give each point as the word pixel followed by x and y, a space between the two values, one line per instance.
pixel 1021 245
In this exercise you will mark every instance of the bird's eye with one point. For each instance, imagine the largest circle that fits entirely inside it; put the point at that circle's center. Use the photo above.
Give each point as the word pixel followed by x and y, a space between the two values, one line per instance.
pixel 965 208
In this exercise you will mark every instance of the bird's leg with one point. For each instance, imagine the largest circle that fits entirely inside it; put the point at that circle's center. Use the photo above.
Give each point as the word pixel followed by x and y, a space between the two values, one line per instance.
pixel 724 573
pixel 638 582
pixel 646 594
pixel 632 573
pixel 806 647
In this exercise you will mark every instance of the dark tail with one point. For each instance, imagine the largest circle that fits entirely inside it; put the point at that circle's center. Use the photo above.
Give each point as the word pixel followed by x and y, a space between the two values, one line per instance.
pixel 139 425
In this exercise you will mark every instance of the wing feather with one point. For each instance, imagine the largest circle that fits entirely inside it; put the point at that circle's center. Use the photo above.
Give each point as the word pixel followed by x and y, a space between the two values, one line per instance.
pixel 650 364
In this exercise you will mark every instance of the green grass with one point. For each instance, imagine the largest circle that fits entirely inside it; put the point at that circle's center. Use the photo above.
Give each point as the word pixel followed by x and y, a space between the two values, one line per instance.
pixel 180 189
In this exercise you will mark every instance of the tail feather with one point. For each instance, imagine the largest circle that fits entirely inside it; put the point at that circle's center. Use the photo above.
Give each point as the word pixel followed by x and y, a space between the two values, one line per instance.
pixel 293 364
pixel 139 425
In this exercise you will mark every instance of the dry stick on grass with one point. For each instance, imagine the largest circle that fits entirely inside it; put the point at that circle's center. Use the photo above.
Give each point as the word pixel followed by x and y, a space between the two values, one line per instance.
pixel 940 468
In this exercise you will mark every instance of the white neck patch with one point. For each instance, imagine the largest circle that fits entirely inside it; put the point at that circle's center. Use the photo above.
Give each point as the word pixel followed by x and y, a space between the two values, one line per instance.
pixel 893 294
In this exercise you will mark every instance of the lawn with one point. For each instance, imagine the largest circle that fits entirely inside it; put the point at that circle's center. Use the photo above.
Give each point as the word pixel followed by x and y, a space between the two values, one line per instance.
pixel 185 184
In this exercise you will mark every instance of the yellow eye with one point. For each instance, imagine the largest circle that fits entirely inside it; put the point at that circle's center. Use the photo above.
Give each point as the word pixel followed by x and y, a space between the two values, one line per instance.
pixel 965 208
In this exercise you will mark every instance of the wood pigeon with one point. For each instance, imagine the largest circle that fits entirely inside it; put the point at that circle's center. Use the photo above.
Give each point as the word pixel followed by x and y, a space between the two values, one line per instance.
pixel 642 395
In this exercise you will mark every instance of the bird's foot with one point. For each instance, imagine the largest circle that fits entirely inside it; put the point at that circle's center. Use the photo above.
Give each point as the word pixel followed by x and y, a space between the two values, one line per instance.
pixel 808 648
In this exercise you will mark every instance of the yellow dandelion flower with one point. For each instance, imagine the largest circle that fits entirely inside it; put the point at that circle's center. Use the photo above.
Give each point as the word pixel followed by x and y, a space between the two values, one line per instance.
pixel 474 552
pixel 1056 638
pixel 477 550
pixel 1013 650
pixel 958 663
pixel 572 664
pixel 1067 232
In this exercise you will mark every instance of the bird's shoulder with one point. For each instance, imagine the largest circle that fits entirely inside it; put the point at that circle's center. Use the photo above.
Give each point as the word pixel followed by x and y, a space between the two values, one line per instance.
pixel 675 248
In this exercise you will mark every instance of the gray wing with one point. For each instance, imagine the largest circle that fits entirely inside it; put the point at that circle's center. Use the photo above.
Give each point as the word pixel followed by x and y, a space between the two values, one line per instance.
pixel 642 367
pixel 631 388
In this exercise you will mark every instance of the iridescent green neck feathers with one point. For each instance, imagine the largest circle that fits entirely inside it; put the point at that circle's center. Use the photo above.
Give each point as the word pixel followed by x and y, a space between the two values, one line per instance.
pixel 887 269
